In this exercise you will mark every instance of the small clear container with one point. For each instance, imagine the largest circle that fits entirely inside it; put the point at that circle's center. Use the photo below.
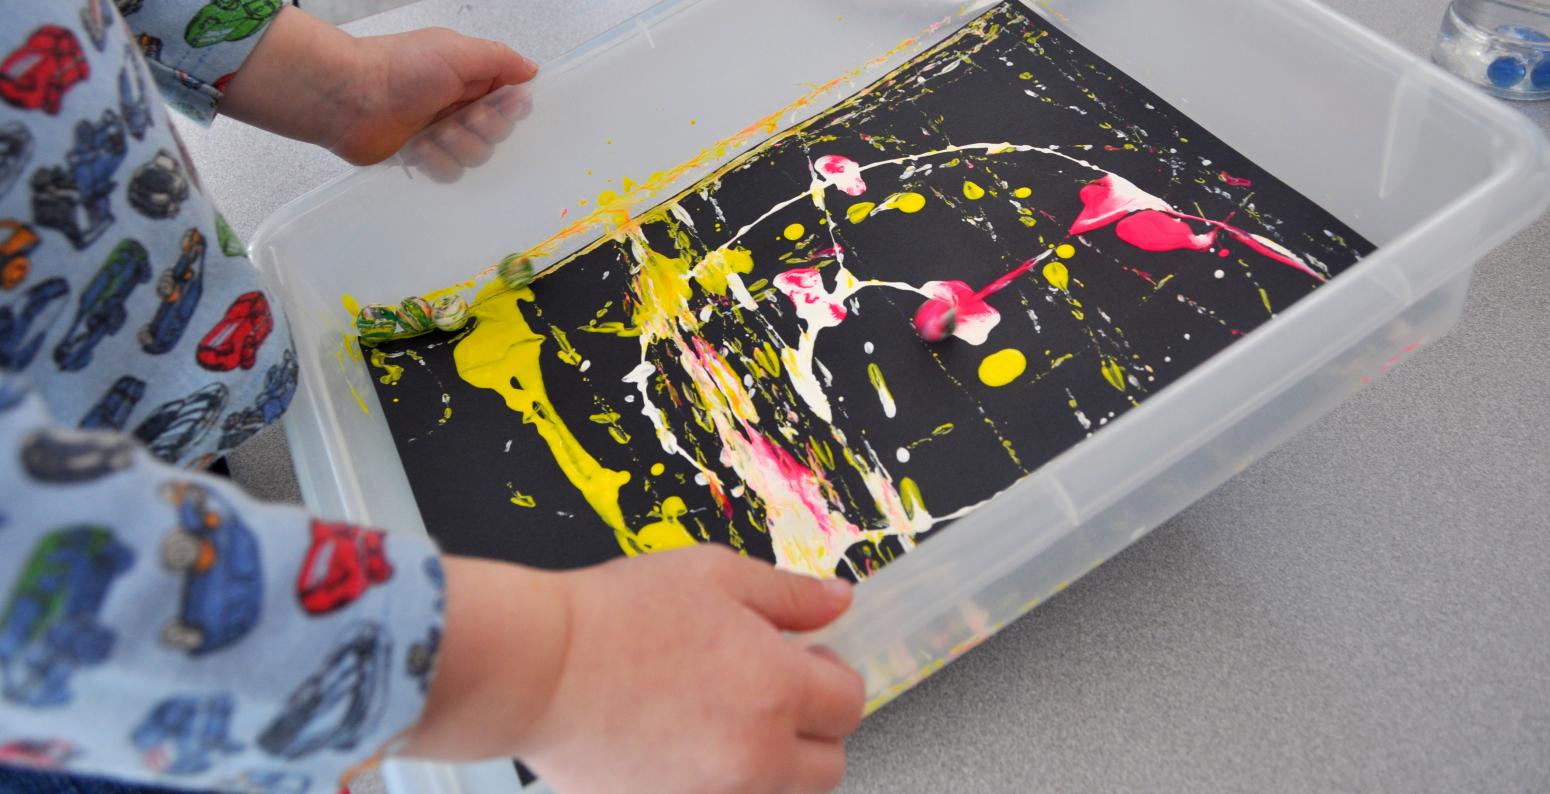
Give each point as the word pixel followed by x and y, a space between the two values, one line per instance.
pixel 1502 46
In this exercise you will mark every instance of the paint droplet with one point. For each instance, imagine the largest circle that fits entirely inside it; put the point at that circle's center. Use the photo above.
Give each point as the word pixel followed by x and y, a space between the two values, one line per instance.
pixel 868 347
pixel 1022 192
pixel 795 231
pixel 1114 373
pixel 908 203
pixel 700 479
pixel 1221 274
pixel 909 494
pixel 858 212
pixel 1065 250
pixel 657 469
pixel 1002 367
pixel 903 455
pixel 1057 275
pixel 972 191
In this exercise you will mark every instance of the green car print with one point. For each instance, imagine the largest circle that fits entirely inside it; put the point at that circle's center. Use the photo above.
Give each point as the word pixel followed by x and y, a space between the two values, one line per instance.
pixel 229 20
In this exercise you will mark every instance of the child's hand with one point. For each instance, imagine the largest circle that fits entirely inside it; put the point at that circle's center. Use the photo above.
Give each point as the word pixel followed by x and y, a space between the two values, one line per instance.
pixel 664 673
pixel 364 98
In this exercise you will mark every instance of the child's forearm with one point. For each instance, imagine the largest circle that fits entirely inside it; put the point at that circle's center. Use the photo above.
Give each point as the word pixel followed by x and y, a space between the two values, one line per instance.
pixel 502 654
pixel 299 81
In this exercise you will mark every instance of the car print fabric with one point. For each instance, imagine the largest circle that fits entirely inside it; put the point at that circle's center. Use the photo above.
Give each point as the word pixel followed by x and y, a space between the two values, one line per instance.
pixel 156 624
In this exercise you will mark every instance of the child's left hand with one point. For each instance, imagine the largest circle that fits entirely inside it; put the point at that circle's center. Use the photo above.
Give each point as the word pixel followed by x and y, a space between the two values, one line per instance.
pixel 364 98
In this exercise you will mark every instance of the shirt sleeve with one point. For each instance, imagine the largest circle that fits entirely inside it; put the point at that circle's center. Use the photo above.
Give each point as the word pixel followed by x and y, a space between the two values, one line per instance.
pixel 194 47
pixel 157 625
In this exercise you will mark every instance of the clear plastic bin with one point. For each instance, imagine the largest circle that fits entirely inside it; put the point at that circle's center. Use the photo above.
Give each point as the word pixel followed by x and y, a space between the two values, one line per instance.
pixel 1433 172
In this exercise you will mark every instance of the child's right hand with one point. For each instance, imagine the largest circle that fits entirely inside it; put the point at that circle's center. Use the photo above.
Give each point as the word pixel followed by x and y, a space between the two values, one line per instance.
pixel 663 673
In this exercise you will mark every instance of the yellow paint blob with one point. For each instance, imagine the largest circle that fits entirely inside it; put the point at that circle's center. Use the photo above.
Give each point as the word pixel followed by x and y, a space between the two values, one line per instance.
pixel 351 305
pixel 1114 373
pixel 392 372
pixel 657 469
pixel 907 203
pixel 668 533
pixel 859 211
pixel 1002 367
pixel 1065 250
pixel 972 191
pixel 717 267
pixel 1057 275
pixel 1022 192
pixel 795 231
pixel 502 354
pixel 909 494
pixel 523 500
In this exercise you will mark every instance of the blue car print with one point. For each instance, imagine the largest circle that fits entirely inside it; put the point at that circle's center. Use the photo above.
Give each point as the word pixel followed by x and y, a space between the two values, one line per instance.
pixel 49 629
pixel 179 289
pixel 25 322
pixel 183 735
pixel 101 312
pixel 340 703
pixel 268 782
pixel 132 100
pixel 15 151
pixel 279 389
pixel 223 587
pixel 176 425
pixel 77 199
pixel 67 457
pixel 112 411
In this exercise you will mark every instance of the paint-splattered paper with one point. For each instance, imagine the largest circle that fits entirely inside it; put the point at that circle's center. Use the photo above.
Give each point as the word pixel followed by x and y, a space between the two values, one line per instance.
pixel 741 365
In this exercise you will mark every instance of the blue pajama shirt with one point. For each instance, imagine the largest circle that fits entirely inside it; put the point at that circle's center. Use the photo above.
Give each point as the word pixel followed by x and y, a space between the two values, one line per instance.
pixel 156 624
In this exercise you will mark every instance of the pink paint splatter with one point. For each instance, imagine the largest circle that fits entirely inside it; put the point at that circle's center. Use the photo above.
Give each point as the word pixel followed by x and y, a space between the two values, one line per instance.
pixel 1234 181
pixel 804 286
pixel 841 172
pixel 955 308
pixel 1115 200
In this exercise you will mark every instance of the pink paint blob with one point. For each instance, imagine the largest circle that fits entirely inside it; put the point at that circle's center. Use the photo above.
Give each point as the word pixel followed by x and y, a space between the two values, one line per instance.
pixel 1115 200
pixel 841 172
pixel 1151 230
pixel 1234 181
pixel 804 286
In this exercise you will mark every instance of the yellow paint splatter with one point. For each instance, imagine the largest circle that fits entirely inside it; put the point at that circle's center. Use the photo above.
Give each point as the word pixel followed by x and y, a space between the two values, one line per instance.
pixel 392 371
pixel 795 231
pixel 657 469
pixel 859 211
pixel 1002 367
pixel 523 500
pixel 1065 250
pixel 1057 362
pixel 668 532
pixel 972 191
pixel 1114 373
pixel 714 272
pixel 1022 192
pixel 884 396
pixel 909 494
pixel 907 203
pixel 1057 275
pixel 566 352
pixel 1265 296
pixel 358 399
pixel 351 305
pixel 502 354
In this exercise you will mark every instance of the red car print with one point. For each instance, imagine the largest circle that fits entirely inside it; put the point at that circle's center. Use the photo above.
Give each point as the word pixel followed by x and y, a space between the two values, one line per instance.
pixel 343 562
pixel 234 341
pixel 44 754
pixel 39 72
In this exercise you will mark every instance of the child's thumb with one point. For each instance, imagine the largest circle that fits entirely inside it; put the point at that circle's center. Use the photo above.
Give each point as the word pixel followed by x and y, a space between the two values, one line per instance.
pixel 792 602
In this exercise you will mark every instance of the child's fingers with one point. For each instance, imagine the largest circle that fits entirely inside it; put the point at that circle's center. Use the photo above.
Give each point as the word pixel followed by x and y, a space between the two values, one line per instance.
pixel 835 697
pixel 819 765
pixel 789 601
pixel 465 147
pixel 489 123
pixel 434 161
pixel 493 61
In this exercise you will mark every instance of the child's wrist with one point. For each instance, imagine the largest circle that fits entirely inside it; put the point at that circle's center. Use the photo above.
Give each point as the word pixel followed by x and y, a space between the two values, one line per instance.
pixel 502 656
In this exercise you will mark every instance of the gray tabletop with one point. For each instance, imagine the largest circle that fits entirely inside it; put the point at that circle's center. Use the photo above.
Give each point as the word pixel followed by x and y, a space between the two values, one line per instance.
pixel 1368 608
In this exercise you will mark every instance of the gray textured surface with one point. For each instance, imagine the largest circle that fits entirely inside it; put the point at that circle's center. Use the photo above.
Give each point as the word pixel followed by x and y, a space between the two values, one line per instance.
pixel 1368 608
